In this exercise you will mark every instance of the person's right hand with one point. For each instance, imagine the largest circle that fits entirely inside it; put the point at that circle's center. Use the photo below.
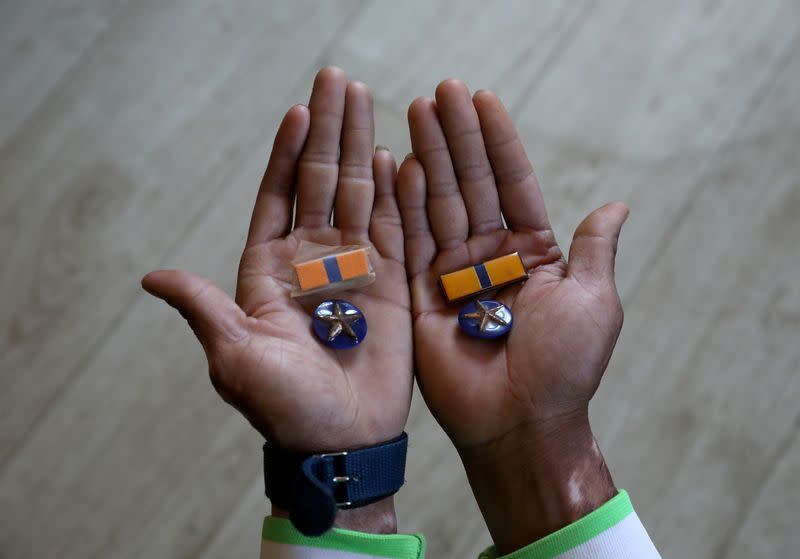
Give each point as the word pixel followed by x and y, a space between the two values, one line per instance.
pixel 515 408
pixel 263 357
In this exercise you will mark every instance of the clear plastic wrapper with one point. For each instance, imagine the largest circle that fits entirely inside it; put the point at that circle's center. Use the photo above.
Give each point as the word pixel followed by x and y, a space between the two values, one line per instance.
pixel 324 270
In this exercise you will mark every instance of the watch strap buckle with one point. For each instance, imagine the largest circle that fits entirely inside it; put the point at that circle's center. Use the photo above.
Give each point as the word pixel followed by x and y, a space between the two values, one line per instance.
pixel 339 476
pixel 313 487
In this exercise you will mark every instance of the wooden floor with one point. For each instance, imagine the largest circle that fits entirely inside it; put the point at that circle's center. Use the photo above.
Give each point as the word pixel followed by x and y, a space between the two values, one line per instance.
pixel 133 135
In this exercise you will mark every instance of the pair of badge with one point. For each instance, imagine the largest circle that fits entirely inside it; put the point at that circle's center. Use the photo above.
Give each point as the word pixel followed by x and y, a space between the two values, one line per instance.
pixel 484 318
pixel 340 324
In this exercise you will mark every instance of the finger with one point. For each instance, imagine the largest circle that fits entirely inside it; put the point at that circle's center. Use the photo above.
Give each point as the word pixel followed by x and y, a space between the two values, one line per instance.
pixel 420 246
pixel 446 210
pixel 210 312
pixel 318 171
pixel 520 196
pixel 385 228
pixel 471 164
pixel 272 214
pixel 356 188
pixel 594 245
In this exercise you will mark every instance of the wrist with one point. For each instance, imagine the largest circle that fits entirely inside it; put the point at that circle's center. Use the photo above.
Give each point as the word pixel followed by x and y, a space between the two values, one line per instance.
pixel 537 479
pixel 376 518
pixel 309 488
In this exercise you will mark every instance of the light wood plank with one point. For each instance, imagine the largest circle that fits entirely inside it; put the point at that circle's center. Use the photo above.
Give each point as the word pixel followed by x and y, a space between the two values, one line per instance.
pixel 128 155
pixel 704 394
pixel 638 106
pixel 405 49
pixel 240 536
pixel 769 528
pixel 39 43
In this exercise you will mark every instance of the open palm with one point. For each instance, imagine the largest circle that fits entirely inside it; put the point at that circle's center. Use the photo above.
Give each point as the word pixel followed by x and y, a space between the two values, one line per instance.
pixel 469 169
pixel 263 356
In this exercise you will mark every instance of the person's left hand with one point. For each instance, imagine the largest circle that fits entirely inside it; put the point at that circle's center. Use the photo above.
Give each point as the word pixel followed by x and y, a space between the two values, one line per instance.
pixel 263 356
pixel 516 408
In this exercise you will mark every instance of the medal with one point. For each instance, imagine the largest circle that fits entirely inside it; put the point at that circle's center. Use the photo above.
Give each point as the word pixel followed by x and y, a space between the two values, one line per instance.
pixel 485 319
pixel 339 324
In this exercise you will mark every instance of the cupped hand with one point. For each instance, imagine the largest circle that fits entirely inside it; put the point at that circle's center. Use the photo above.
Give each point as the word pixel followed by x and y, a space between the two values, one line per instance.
pixel 502 400
pixel 263 356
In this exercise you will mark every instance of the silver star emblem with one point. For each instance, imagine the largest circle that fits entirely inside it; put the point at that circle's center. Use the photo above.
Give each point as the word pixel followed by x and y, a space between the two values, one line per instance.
pixel 487 315
pixel 339 321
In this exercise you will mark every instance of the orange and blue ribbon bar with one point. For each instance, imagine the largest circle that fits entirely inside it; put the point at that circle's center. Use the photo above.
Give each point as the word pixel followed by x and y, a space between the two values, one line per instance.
pixel 332 269
pixel 491 274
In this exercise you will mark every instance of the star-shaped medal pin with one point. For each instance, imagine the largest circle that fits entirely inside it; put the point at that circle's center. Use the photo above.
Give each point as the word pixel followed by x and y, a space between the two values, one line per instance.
pixel 339 324
pixel 485 319
pixel 340 321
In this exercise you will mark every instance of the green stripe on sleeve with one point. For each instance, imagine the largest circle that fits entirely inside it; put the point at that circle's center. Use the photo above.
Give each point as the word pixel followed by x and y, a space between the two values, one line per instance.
pixel 577 533
pixel 394 546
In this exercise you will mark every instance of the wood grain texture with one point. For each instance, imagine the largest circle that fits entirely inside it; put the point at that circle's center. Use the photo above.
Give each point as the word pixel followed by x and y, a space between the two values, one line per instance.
pixel 141 143
pixel 406 49
pixel 714 401
pixel 123 185
pixel 638 106
pixel 114 166
pixel 40 42
pixel 769 527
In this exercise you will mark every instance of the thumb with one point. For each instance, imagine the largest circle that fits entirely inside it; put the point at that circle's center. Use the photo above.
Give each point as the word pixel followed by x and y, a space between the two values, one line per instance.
pixel 210 312
pixel 594 245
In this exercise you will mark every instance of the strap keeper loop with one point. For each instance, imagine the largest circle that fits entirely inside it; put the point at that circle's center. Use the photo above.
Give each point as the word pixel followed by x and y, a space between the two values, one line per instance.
pixel 313 487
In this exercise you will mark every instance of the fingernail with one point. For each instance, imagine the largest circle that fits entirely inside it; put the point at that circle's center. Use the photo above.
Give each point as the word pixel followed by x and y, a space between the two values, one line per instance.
pixel 409 156
pixel 380 147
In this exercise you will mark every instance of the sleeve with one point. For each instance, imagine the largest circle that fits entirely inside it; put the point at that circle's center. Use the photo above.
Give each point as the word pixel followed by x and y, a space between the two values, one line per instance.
pixel 280 540
pixel 613 531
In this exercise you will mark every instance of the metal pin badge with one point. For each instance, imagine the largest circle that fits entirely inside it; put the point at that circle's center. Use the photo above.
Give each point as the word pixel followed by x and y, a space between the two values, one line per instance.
pixel 339 324
pixel 485 319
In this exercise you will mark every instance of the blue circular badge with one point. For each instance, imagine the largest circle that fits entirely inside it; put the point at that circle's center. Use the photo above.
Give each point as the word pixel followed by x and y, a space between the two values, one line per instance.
pixel 339 324
pixel 485 319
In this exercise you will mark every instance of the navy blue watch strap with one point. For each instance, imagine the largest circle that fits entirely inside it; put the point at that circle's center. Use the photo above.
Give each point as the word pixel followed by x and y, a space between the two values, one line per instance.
pixel 312 487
